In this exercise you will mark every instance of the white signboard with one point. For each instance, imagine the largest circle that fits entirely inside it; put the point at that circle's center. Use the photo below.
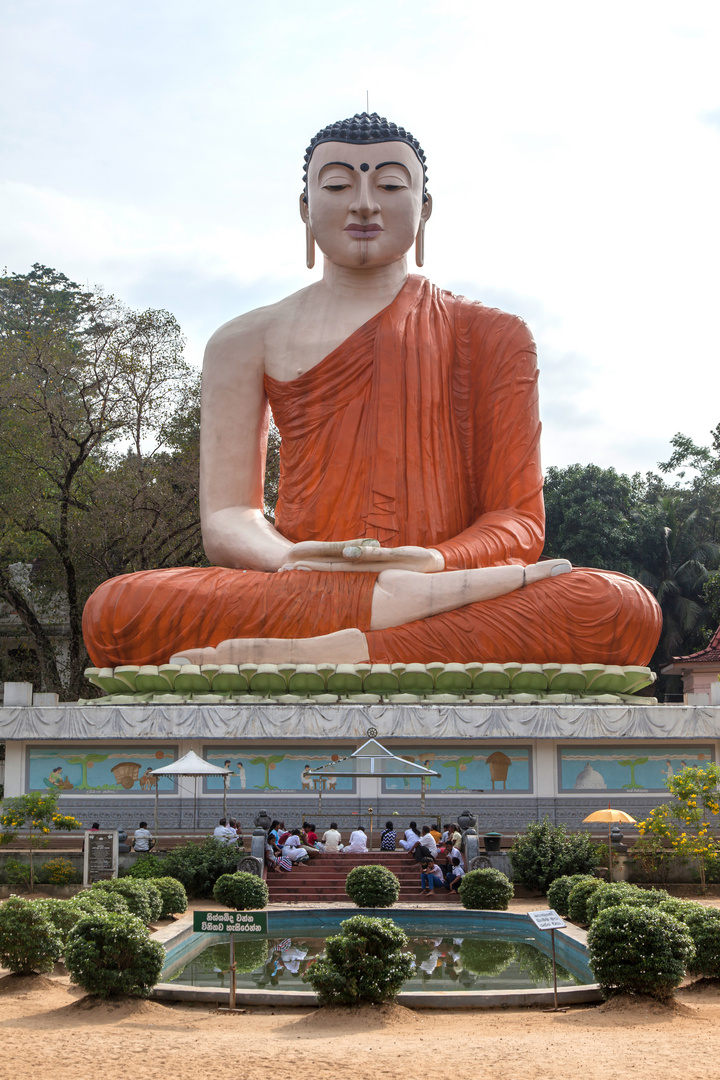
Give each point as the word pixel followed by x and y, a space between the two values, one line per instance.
pixel 546 920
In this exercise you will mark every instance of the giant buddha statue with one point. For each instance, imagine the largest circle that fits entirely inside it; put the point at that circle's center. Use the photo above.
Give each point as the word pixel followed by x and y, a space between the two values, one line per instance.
pixel 410 519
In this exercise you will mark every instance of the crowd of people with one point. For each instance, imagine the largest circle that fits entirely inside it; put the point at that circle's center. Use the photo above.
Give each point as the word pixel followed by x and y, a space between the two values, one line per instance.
pixel 438 853
pixel 442 865
pixel 287 847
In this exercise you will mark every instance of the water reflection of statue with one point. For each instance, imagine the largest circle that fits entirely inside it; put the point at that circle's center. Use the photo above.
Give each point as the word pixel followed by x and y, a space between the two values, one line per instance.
pixel 410 515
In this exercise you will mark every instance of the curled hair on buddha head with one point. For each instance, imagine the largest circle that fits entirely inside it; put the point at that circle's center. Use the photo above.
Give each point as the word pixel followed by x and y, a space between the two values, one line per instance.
pixel 365 128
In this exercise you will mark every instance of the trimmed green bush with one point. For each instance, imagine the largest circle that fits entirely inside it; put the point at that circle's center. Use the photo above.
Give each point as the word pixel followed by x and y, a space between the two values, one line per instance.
pixel 173 896
pixel 638 950
pixel 704 929
pixel 113 956
pixel 620 892
pixel 612 894
pixel 545 852
pixel 147 866
pixel 679 909
pixel 372 886
pixel 141 897
pixel 488 889
pixel 244 892
pixel 559 890
pixel 365 964
pixel 578 898
pixel 63 914
pixel 94 900
pixel 486 958
pixel 198 866
pixel 29 942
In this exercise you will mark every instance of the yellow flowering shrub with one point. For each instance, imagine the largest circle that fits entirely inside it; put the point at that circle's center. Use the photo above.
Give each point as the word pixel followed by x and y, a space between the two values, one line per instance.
pixel 685 821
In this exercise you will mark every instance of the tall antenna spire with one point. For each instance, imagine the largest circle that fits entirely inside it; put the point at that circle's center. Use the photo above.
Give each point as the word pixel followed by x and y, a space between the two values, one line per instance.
pixel 367 101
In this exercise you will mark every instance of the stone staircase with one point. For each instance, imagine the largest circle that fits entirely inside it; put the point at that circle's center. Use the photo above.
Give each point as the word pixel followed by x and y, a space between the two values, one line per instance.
pixel 323 879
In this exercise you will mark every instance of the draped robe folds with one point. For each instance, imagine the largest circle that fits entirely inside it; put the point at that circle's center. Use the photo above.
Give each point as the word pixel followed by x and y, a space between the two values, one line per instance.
pixel 420 428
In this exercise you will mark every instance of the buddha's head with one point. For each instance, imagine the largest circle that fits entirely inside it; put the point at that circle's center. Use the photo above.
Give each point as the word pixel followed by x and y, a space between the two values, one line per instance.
pixel 365 199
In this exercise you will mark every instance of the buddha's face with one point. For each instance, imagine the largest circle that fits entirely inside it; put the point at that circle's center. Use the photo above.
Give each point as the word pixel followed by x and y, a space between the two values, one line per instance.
pixel 364 203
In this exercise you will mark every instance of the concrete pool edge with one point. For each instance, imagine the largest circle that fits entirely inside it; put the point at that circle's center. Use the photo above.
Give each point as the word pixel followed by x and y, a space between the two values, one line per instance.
pixel 463 999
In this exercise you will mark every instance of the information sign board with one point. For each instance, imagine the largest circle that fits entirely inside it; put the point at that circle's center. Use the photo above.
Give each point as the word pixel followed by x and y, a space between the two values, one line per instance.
pixel 101 855
pixel 230 922
pixel 546 920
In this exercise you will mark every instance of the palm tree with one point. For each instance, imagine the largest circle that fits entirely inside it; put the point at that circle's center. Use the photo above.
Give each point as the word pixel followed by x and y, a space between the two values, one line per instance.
pixel 678 581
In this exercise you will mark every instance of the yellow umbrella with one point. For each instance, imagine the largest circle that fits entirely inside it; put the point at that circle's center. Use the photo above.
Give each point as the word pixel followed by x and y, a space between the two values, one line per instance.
pixel 610 816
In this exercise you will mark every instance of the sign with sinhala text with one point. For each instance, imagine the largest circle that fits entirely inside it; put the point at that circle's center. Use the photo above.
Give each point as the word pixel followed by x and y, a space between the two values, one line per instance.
pixel 101 855
pixel 546 920
pixel 230 922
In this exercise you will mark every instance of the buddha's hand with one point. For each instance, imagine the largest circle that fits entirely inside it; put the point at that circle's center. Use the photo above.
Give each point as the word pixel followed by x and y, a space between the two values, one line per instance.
pixel 361 556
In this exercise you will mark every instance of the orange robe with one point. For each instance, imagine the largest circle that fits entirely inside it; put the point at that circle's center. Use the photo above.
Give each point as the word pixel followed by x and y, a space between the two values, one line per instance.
pixel 421 428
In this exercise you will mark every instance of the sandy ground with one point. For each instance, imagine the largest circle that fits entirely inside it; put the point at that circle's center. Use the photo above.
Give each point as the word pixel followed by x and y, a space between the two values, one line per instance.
pixel 48 1028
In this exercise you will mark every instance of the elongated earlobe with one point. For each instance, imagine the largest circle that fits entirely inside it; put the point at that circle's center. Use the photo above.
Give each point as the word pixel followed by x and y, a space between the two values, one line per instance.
pixel 309 248
pixel 420 245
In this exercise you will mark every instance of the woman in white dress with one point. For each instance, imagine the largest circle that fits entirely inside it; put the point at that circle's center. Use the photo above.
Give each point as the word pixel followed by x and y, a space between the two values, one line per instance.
pixel 293 849
pixel 411 837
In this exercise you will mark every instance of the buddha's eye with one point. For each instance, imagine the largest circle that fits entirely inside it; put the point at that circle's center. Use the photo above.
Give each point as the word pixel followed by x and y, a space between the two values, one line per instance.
pixel 391 187
pixel 335 187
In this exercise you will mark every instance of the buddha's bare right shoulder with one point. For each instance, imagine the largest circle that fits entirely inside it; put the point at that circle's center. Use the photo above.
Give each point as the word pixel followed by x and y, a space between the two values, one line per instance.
pixel 243 340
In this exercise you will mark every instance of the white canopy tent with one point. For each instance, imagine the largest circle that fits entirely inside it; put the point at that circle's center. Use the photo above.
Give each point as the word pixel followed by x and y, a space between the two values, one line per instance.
pixel 189 765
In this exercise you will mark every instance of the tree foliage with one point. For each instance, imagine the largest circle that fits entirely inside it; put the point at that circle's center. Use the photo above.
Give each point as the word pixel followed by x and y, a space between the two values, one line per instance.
pixel 36 812
pixel 690 821
pixel 663 529
pixel 99 422
pixel 546 851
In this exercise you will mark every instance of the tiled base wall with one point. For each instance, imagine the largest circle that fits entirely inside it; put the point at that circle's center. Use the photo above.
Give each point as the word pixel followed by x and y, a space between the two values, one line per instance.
pixel 493 815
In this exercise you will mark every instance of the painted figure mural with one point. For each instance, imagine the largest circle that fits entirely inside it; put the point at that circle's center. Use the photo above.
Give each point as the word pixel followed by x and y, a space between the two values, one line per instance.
pixel 80 771
pixel 259 769
pixel 486 770
pixel 626 768
pixel 410 516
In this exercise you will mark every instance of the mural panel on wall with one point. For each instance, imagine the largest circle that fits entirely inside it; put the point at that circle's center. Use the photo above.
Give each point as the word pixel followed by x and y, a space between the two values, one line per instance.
pixel 262 768
pixel 82 770
pixel 626 768
pixel 486 769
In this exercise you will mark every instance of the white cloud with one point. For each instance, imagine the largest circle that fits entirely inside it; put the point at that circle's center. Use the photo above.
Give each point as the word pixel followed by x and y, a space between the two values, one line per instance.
pixel 573 157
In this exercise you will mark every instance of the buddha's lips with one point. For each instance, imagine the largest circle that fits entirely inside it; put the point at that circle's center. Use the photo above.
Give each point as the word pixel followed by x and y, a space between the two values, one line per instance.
pixel 363 232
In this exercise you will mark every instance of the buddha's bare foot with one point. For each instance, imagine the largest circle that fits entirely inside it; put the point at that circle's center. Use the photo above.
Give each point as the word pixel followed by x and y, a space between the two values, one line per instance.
pixel 547 569
pixel 343 647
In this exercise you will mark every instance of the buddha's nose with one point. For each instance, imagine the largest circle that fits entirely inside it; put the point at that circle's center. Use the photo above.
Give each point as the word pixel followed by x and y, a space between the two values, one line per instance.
pixel 365 202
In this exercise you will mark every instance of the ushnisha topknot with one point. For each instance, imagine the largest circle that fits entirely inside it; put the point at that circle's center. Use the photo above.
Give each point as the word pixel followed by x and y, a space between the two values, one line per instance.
pixel 365 128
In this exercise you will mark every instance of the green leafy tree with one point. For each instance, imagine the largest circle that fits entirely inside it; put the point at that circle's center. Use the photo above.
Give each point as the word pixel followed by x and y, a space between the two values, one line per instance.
pixel 98 436
pixel 546 851
pixel 38 813
pixel 690 821
pixel 602 518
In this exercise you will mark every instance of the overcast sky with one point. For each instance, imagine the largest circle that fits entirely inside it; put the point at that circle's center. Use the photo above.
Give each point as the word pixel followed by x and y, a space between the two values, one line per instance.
pixel 155 147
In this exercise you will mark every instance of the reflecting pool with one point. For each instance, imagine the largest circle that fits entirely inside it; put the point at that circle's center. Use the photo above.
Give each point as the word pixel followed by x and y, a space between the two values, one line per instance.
pixel 465 961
